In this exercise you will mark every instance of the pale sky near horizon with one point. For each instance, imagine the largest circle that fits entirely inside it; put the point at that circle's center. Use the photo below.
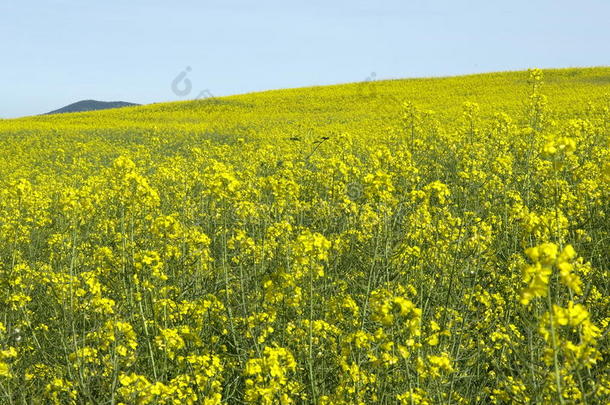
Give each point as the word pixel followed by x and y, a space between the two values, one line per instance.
pixel 56 52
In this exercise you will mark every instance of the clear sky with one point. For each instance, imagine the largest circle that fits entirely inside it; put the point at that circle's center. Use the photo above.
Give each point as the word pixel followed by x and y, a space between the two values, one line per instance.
pixel 55 52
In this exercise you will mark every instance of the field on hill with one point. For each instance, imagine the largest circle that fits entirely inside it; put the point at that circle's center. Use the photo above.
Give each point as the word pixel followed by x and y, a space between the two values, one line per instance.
pixel 409 241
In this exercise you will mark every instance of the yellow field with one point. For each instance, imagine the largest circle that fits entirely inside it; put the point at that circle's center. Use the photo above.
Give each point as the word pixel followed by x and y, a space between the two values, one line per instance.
pixel 410 241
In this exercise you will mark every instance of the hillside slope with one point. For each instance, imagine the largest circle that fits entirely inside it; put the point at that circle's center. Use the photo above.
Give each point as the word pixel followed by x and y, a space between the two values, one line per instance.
pixel 409 241
pixel 305 113
pixel 91 105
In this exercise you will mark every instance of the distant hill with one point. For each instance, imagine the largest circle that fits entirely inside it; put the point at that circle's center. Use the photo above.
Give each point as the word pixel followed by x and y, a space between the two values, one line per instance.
pixel 91 105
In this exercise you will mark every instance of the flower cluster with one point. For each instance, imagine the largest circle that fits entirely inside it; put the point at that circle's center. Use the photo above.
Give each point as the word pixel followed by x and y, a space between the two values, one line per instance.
pixel 442 242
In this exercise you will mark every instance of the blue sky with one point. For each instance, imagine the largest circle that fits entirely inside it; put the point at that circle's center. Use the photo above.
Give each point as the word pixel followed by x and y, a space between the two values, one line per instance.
pixel 55 52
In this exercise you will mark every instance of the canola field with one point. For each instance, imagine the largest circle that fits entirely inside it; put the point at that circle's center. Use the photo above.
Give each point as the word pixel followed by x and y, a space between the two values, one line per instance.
pixel 429 241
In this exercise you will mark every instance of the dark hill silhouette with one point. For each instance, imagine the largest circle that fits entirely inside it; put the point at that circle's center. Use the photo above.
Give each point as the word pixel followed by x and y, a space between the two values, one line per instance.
pixel 91 105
